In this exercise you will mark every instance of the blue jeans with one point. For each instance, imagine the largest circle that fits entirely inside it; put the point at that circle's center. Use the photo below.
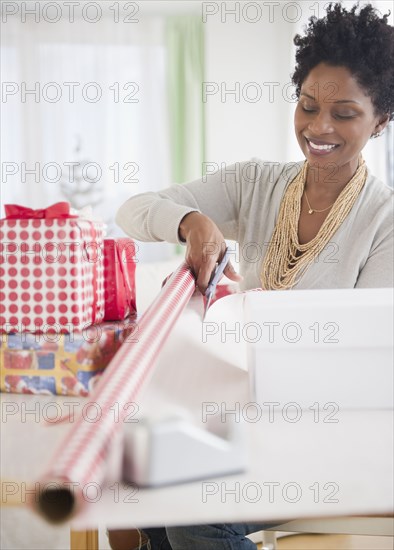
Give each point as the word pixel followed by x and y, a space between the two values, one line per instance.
pixel 220 536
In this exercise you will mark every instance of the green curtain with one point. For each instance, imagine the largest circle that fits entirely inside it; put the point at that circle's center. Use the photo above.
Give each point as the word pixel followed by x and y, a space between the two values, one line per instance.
pixel 185 70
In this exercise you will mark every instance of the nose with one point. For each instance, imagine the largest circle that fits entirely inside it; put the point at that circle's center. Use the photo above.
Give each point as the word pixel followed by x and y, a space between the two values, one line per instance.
pixel 321 123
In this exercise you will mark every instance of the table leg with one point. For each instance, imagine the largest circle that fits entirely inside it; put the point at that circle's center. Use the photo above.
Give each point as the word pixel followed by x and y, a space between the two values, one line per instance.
pixel 269 540
pixel 84 540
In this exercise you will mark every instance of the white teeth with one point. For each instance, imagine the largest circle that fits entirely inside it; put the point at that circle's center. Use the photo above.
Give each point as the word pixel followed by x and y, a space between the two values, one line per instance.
pixel 321 147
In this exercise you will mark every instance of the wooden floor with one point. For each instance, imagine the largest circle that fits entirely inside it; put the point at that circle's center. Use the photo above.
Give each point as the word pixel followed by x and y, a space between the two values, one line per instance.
pixel 335 542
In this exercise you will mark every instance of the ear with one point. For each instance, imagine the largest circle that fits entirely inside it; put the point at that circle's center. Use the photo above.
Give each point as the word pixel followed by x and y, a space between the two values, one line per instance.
pixel 381 124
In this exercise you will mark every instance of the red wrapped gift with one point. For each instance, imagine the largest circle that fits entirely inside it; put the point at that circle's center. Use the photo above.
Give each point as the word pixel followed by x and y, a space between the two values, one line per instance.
pixel 51 270
pixel 224 290
pixel 119 283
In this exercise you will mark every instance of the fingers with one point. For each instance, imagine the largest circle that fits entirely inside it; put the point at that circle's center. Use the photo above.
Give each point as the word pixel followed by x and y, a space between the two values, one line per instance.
pixel 202 270
pixel 231 274
pixel 202 259
pixel 213 254
pixel 206 270
pixel 205 247
pixel 165 280
pixel 205 274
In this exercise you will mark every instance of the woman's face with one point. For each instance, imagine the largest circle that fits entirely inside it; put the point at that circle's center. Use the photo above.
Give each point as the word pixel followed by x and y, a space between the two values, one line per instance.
pixel 334 118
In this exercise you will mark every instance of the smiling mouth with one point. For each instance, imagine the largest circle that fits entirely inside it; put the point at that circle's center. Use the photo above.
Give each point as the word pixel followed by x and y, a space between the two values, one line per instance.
pixel 321 147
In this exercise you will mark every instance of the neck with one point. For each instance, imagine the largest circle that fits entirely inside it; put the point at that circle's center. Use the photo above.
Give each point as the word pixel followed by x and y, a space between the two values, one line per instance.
pixel 329 180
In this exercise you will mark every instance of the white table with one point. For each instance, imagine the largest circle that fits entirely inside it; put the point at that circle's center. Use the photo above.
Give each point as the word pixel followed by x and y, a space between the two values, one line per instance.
pixel 337 469
pixel 305 470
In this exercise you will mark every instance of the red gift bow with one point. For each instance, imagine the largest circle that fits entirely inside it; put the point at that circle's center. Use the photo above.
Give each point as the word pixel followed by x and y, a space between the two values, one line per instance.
pixel 57 210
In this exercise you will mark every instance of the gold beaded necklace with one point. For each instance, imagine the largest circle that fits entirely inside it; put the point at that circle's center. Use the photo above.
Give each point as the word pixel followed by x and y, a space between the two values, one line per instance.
pixel 286 259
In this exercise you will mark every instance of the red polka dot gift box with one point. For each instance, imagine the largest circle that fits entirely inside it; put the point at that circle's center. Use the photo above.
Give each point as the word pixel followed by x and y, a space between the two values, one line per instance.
pixel 51 270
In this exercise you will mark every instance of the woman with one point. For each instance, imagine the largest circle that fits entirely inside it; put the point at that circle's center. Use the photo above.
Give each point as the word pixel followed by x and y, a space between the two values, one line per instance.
pixel 326 222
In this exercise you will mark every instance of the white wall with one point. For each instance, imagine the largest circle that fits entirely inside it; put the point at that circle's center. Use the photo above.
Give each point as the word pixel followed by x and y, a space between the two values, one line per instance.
pixel 246 53
pixel 261 52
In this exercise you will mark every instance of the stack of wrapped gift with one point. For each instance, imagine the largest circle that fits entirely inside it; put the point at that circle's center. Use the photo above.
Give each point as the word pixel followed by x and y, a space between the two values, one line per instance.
pixel 67 300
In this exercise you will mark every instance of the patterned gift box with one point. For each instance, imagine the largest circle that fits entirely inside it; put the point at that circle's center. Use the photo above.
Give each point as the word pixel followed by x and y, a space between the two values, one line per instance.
pixel 62 364
pixel 119 281
pixel 51 270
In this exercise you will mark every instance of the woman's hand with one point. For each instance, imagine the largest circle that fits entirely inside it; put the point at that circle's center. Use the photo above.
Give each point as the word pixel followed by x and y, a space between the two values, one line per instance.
pixel 205 246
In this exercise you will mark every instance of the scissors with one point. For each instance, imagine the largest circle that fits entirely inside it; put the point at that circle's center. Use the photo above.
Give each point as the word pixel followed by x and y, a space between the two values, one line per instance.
pixel 215 278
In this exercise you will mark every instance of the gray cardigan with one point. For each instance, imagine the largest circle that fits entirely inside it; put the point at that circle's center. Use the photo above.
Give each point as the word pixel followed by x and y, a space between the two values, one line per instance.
pixel 243 200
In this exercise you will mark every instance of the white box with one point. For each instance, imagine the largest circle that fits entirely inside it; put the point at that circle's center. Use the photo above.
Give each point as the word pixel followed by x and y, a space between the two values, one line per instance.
pixel 317 347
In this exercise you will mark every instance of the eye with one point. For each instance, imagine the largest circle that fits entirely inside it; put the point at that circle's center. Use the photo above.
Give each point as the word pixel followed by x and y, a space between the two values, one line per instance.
pixel 307 109
pixel 344 117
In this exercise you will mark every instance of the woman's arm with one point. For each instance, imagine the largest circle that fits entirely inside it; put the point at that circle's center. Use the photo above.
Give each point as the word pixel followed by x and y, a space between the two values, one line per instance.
pixel 156 216
pixel 203 213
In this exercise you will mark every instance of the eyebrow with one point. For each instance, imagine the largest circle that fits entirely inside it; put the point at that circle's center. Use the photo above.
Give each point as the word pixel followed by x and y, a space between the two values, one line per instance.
pixel 338 101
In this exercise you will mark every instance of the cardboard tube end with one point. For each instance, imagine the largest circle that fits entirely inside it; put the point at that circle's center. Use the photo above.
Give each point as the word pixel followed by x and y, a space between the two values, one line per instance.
pixel 56 505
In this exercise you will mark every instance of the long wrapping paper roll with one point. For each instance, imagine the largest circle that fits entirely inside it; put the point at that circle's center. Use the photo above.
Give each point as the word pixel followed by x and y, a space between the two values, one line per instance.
pixel 82 457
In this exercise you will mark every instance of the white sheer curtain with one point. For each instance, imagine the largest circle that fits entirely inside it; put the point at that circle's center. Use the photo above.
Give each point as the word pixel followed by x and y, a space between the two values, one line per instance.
pixel 96 128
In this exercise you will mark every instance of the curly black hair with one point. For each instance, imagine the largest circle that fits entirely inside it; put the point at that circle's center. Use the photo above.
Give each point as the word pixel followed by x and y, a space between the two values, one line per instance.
pixel 362 42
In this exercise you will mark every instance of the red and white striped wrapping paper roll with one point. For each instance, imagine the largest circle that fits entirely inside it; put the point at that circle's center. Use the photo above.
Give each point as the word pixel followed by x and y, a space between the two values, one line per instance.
pixel 82 456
